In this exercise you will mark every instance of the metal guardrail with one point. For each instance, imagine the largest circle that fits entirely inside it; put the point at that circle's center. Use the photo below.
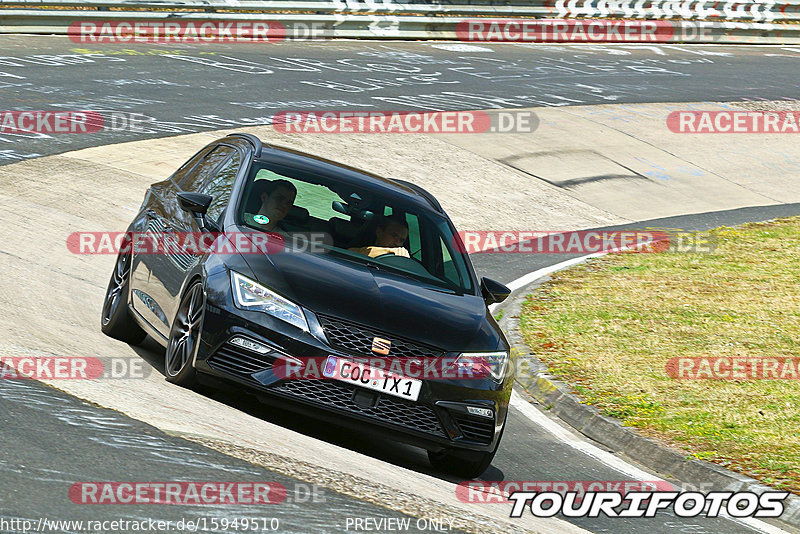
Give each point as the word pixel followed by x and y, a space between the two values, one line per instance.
pixel 731 21
pixel 729 10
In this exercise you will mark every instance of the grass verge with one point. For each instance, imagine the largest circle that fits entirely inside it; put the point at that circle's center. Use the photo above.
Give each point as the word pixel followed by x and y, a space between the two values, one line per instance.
pixel 610 326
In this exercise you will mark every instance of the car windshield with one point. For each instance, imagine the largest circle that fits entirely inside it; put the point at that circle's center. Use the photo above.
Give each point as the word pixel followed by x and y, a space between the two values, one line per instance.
pixel 355 225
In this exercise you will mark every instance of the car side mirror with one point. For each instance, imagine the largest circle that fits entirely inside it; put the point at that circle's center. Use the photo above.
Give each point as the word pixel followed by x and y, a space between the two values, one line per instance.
pixel 197 204
pixel 493 292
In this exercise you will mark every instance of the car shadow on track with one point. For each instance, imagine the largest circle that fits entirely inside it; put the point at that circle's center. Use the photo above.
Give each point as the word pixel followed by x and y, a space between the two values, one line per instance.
pixel 377 447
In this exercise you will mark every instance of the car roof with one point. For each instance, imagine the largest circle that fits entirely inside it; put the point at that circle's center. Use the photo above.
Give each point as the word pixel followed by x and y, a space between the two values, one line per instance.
pixel 268 153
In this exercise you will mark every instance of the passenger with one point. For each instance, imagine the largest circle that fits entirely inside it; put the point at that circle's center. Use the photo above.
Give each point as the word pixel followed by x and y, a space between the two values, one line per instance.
pixel 277 199
pixel 390 236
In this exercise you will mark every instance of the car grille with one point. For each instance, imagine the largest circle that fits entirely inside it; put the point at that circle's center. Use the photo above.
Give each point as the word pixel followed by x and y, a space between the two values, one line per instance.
pixel 238 361
pixel 334 394
pixel 357 339
pixel 481 431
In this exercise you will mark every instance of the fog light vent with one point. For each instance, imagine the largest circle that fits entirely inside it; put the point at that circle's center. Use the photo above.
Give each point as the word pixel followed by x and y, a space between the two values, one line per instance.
pixel 249 345
pixel 483 412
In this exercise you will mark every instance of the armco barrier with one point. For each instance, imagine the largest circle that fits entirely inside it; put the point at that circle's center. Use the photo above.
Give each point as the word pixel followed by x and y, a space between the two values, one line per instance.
pixel 734 21
pixel 730 10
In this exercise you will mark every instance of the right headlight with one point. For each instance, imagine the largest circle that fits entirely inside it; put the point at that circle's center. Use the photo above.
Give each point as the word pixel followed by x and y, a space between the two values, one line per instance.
pixel 250 295
pixel 491 364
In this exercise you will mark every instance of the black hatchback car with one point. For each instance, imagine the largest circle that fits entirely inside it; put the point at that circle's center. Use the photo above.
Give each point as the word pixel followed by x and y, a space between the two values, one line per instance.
pixel 367 269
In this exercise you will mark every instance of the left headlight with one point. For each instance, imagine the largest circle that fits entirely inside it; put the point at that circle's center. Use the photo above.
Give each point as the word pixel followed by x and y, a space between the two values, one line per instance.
pixel 493 364
pixel 250 295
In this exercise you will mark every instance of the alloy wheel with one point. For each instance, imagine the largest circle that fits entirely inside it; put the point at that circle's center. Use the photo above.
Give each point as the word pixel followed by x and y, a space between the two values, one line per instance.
pixel 185 331
pixel 118 280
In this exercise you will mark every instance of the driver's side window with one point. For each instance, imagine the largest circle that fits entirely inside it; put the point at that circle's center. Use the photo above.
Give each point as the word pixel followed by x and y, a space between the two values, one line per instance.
pixel 414 239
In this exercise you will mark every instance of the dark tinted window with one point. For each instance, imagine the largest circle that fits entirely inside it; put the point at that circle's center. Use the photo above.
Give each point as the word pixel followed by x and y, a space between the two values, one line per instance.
pixel 207 168
pixel 422 246
pixel 221 185
pixel 187 167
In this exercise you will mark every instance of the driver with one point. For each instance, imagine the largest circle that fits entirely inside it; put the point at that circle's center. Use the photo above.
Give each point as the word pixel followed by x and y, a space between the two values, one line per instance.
pixel 390 236
pixel 277 198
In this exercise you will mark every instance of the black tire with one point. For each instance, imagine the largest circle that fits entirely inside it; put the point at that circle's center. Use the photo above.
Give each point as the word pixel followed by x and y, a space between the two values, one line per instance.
pixel 464 463
pixel 460 462
pixel 184 338
pixel 115 319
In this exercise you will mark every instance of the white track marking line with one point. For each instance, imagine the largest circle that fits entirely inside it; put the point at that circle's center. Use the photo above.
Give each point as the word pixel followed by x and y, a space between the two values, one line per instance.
pixel 532 277
pixel 579 444
pixel 576 442
pixel 545 271
pixel 571 439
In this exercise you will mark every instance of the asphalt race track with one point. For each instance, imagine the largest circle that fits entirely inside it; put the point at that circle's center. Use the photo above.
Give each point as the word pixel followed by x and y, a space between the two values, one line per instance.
pixel 50 439
pixel 211 87
pixel 116 447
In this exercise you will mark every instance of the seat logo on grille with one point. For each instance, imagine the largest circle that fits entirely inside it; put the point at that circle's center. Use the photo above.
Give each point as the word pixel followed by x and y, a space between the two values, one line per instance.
pixel 381 346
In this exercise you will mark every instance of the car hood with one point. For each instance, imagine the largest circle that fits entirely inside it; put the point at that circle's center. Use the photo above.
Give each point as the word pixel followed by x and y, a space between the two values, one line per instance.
pixel 379 299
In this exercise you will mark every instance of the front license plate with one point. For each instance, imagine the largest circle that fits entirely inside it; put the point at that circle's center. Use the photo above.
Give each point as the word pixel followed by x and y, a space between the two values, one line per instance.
pixel 372 378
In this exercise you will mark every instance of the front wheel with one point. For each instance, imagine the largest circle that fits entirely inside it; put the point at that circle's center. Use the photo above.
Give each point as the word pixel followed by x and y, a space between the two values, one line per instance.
pixel 116 320
pixel 462 462
pixel 184 338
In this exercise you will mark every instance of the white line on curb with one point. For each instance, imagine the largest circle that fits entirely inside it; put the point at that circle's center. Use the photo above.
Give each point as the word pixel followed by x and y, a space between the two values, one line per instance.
pixel 535 275
pixel 605 457
pixel 580 444
pixel 544 271
pixel 571 439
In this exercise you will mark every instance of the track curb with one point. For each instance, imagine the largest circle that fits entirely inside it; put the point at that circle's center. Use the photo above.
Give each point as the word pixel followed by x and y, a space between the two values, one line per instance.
pixel 556 397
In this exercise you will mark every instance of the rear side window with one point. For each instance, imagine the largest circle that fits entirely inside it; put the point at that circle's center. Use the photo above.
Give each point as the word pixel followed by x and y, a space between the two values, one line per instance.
pixel 221 185
pixel 186 168
pixel 317 199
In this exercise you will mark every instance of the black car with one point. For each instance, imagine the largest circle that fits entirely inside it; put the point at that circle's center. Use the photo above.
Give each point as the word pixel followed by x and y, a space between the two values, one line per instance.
pixel 379 273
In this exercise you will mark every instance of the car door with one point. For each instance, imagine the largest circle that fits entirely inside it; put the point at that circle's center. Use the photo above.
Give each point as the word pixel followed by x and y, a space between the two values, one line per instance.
pixel 215 176
pixel 160 207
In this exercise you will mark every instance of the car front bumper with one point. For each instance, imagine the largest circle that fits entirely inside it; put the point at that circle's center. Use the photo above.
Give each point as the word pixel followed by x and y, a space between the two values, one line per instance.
pixel 438 419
